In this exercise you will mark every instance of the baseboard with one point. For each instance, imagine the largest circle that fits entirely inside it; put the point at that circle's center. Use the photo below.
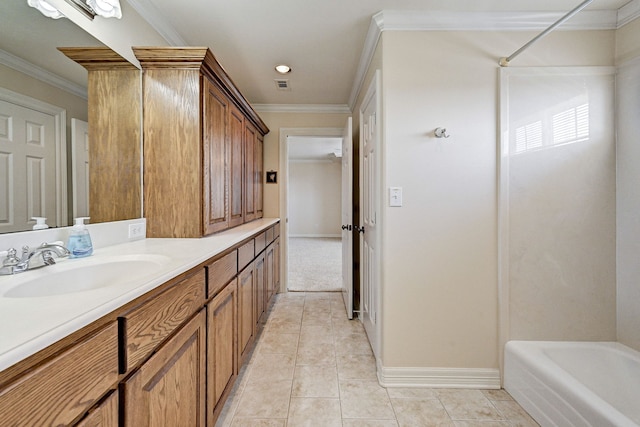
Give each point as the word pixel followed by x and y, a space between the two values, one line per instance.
pixel 478 378
pixel 316 235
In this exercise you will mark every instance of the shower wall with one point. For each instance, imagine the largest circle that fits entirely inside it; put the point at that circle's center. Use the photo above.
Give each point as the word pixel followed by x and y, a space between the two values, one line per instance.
pixel 558 204
pixel 628 204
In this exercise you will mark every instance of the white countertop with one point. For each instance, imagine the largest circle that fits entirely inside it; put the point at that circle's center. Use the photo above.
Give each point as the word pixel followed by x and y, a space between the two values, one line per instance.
pixel 28 325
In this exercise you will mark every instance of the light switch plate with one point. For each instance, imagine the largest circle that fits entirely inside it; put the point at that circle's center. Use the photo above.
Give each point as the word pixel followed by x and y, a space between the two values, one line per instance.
pixel 395 196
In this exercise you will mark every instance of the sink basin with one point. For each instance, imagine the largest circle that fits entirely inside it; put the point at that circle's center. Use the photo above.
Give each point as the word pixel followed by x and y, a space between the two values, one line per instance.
pixel 71 276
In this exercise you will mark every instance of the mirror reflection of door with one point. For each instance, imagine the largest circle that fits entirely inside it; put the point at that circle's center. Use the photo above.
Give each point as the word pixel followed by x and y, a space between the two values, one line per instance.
pixel 80 162
pixel 27 166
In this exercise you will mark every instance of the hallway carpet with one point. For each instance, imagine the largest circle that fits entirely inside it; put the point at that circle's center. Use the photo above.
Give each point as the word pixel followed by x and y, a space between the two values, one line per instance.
pixel 315 264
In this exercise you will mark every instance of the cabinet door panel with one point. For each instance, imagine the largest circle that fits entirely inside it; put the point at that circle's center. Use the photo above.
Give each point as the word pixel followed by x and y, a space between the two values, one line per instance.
pixel 169 389
pixel 249 173
pixel 62 389
pixel 259 173
pixel 105 415
pixel 222 347
pixel 216 159
pixel 146 326
pixel 260 287
pixel 246 325
pixel 236 188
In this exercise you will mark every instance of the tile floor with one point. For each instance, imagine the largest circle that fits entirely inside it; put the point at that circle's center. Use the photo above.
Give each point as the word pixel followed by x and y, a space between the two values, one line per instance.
pixel 311 366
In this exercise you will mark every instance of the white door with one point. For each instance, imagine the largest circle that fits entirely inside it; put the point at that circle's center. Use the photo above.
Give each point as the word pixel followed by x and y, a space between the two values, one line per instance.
pixel 80 165
pixel 347 219
pixel 27 167
pixel 369 212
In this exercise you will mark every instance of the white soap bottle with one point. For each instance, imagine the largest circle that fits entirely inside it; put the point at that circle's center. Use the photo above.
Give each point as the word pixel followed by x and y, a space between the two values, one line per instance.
pixel 79 243
pixel 40 223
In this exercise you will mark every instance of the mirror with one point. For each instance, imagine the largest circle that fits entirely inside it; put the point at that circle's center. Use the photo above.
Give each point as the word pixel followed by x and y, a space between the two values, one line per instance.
pixel 32 66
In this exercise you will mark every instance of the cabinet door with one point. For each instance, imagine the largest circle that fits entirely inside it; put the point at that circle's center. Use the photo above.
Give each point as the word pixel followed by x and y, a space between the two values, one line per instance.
pixel 270 272
pixel 104 415
pixel 216 157
pixel 276 266
pixel 249 172
pixel 236 187
pixel 260 286
pixel 222 348
pixel 259 173
pixel 169 389
pixel 246 325
pixel 60 390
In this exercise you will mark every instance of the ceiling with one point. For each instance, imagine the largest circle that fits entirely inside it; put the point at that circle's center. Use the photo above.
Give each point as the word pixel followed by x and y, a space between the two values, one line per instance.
pixel 322 40
pixel 306 148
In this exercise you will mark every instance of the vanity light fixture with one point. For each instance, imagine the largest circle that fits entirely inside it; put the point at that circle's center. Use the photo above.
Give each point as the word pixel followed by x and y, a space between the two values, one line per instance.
pixel 283 69
pixel 106 8
pixel 91 8
pixel 45 8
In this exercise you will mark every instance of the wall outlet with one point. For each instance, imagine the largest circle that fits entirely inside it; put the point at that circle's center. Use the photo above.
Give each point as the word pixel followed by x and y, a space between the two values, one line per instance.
pixel 137 230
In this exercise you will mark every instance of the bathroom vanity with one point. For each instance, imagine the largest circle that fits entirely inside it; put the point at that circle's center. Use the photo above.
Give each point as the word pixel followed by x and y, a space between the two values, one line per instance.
pixel 166 345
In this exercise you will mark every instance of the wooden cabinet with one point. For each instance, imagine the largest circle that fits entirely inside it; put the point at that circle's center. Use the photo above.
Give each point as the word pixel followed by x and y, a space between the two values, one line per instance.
pixel 62 389
pixel 169 389
pixel 246 324
pixel 260 294
pixel 259 188
pixel 200 142
pixel 168 358
pixel 103 415
pixel 216 158
pixel 236 167
pixel 147 325
pixel 114 133
pixel 222 348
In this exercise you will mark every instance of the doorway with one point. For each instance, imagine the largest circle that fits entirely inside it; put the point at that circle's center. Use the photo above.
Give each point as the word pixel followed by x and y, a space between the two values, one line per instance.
pixel 310 195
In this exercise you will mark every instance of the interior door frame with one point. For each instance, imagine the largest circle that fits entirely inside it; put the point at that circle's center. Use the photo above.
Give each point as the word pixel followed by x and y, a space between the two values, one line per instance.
pixel 285 133
pixel 60 118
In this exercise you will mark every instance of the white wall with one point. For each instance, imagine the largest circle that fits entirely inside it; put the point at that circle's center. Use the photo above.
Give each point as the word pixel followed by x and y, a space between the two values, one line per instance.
pixel 440 251
pixel 628 188
pixel 558 205
pixel 314 199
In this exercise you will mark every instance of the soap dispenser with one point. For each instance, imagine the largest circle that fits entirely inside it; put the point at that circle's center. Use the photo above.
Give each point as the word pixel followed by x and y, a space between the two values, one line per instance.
pixel 79 243
pixel 40 224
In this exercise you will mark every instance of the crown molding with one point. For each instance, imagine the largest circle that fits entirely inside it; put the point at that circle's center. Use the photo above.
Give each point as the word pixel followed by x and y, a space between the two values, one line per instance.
pixel 158 22
pixel 393 20
pixel 628 12
pixel 41 74
pixel 302 108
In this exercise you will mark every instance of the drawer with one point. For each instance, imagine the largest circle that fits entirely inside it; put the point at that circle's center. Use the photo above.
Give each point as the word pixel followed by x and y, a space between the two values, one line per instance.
pixel 220 272
pixel 246 254
pixel 261 243
pixel 146 326
pixel 269 236
pixel 60 390
pixel 276 230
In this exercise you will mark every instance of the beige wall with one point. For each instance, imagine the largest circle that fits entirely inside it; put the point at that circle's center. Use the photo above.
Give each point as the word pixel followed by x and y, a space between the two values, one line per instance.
pixel 276 121
pixel 628 191
pixel 440 251
pixel 315 198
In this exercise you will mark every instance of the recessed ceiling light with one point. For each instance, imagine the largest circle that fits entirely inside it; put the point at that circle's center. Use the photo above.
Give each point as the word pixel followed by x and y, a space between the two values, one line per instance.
pixel 283 69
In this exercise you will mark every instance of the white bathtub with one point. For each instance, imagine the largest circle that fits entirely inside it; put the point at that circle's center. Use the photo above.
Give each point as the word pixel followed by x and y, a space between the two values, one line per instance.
pixel 575 383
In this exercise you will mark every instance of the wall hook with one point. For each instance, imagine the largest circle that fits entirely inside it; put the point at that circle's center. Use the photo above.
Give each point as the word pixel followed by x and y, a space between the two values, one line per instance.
pixel 441 133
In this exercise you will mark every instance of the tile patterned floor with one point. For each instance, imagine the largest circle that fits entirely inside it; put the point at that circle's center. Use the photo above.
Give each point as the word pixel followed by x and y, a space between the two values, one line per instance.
pixel 311 366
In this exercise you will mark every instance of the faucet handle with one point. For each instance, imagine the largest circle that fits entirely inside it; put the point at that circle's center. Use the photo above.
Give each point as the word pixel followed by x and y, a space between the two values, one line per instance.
pixel 11 257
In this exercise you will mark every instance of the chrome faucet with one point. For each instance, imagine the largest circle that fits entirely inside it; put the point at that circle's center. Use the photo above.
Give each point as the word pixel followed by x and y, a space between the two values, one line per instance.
pixel 31 259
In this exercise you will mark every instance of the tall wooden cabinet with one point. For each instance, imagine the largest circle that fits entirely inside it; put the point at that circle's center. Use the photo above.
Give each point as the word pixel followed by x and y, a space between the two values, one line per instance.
pixel 114 133
pixel 201 150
